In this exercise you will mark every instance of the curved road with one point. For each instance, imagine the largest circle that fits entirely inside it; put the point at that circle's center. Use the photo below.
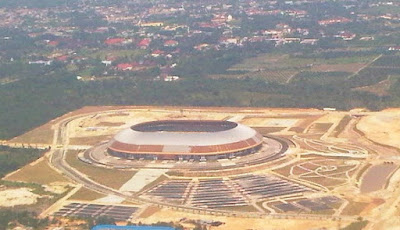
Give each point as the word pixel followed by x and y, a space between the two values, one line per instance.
pixel 57 159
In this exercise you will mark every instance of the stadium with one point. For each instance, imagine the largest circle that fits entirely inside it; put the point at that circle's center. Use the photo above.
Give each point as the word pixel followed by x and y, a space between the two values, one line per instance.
pixel 185 140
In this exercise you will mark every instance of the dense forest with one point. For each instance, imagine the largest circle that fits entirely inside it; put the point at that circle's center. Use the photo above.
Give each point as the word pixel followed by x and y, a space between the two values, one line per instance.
pixel 12 159
pixel 10 219
pixel 29 103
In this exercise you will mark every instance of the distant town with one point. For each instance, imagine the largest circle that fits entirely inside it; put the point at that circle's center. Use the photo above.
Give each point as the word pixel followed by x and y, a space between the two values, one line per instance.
pixel 152 39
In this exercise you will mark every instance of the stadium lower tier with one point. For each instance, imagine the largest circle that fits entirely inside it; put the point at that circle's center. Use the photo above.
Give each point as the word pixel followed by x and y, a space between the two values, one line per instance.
pixel 186 156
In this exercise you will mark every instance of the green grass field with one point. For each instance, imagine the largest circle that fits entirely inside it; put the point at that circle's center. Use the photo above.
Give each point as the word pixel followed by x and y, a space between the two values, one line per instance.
pixel 110 177
pixel 39 173
pixel 86 194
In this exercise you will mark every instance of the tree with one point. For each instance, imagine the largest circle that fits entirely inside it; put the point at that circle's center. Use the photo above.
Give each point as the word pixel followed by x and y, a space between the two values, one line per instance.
pixel 105 220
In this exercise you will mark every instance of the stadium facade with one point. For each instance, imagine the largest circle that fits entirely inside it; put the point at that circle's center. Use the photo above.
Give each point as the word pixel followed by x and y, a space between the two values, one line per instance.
pixel 185 140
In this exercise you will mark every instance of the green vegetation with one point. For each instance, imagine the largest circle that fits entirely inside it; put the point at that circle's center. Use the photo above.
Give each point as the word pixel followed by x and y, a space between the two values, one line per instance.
pixel 388 61
pixel 36 188
pixel 359 225
pixel 320 78
pixel 372 75
pixel 9 219
pixel 40 173
pixel 280 76
pixel 49 96
pixel 46 98
pixel 86 194
pixel 213 62
pixel 12 159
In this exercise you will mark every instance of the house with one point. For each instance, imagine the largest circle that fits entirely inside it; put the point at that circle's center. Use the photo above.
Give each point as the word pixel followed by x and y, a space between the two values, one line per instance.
pixel 346 36
pixel 114 41
pixel 201 46
pixel 40 62
pixel 126 66
pixel 171 43
pixel 309 41
pixel 171 78
pixel 229 41
pixel 334 21
pixel 394 48
pixel 144 43
pixel 367 38
pixel 53 43
pixel 117 41
pixel 151 24
pixel 62 58
pixel 106 62
pixel 157 53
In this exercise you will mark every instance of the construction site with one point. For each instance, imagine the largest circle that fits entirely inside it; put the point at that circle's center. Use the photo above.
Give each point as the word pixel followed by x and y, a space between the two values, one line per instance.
pixel 281 168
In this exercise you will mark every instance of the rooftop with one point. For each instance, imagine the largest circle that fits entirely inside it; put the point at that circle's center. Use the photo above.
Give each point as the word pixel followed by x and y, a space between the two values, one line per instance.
pixel 184 126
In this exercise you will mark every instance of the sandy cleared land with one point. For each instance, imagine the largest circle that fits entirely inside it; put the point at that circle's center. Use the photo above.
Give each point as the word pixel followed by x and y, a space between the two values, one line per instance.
pixel 232 223
pixel 44 134
pixel 100 124
pixel 56 187
pixel 382 127
pixel 20 196
pixel 313 125
pixel 142 178
pixel 268 122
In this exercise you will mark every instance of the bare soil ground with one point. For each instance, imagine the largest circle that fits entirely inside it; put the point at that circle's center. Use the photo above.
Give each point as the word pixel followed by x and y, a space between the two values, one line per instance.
pixel 237 223
pixel 112 124
pixel 19 196
pixel 355 208
pixel 382 127
pixel 91 140
pixel 44 134
pixel 268 122
pixel 149 211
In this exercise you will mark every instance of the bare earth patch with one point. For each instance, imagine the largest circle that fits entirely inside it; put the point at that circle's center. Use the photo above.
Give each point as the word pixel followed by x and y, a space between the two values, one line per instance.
pixel 20 196
pixel 92 140
pixel 237 223
pixel 382 128
pixel 112 124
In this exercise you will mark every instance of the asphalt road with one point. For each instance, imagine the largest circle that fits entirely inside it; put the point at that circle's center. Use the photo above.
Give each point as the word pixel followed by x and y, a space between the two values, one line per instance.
pixel 57 160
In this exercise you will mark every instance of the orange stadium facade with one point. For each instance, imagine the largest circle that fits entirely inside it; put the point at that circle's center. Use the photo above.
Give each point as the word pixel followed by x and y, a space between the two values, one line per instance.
pixel 185 140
